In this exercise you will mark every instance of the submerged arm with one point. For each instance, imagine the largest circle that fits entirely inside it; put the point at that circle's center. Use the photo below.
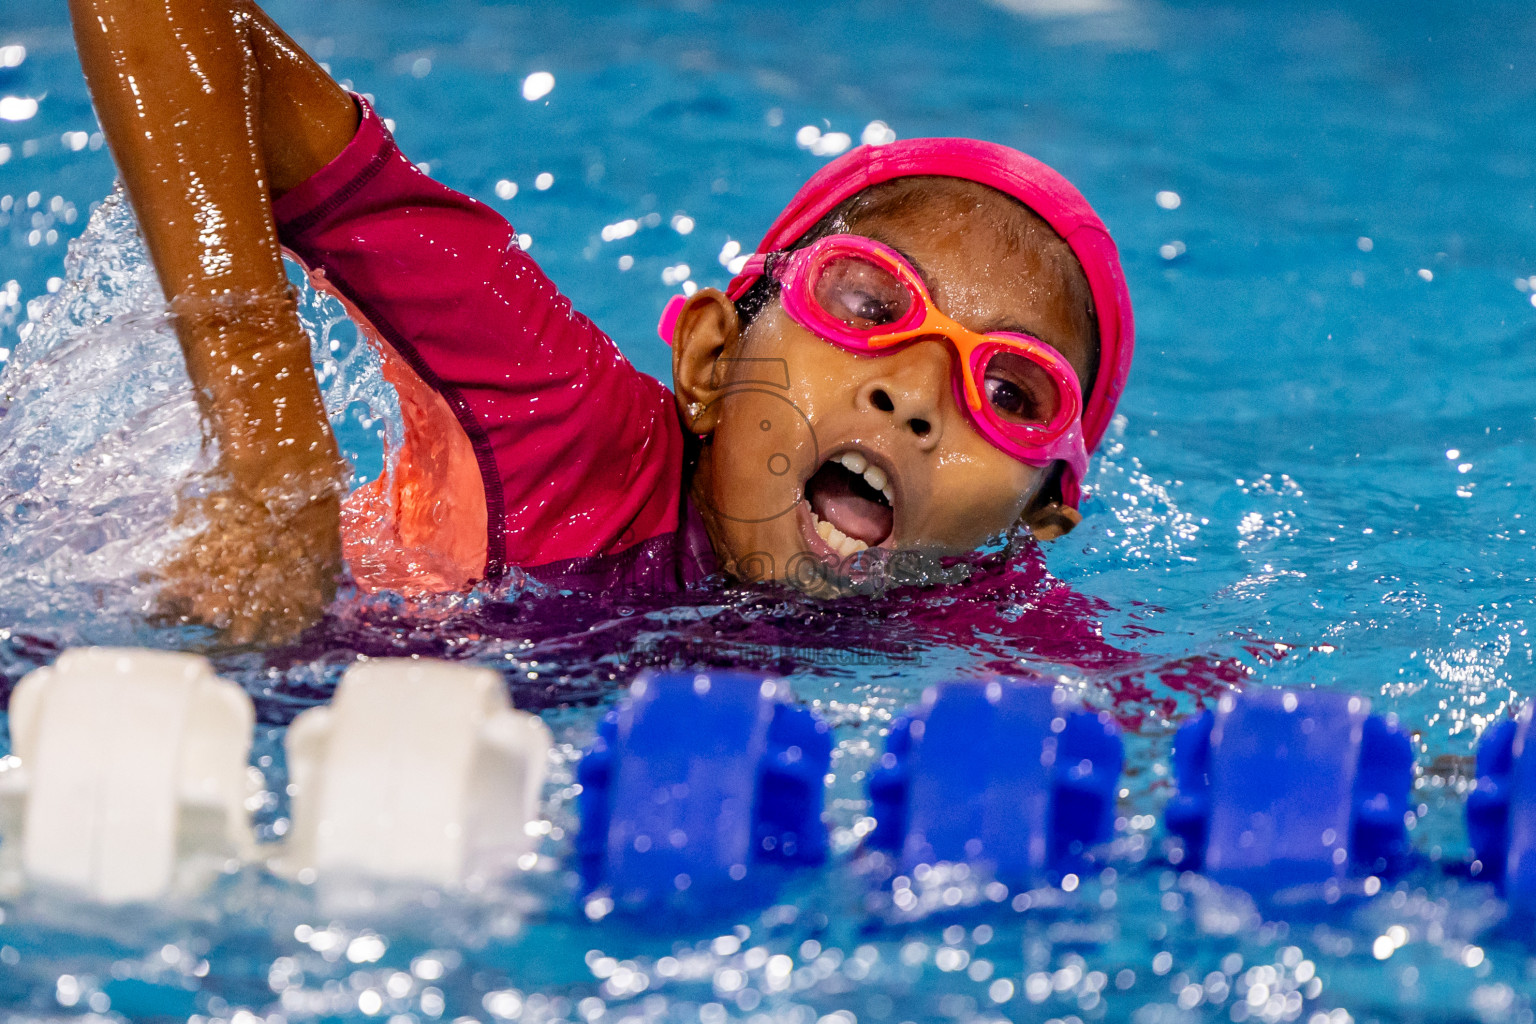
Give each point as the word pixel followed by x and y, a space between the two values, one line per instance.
pixel 209 110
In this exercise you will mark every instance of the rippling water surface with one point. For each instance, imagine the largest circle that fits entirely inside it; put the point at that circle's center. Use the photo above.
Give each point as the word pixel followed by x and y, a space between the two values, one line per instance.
pixel 1323 475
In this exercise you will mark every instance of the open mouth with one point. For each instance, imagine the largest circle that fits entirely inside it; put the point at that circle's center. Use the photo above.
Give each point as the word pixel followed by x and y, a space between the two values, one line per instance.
pixel 852 506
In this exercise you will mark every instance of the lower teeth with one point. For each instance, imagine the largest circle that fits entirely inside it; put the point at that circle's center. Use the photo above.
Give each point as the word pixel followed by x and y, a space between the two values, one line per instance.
pixel 839 541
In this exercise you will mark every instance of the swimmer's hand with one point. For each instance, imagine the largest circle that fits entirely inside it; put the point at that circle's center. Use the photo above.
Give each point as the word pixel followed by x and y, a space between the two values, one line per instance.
pixel 253 573
pixel 265 564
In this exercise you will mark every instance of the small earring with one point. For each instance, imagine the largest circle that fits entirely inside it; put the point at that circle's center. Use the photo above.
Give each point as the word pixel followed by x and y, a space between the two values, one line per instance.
pixel 694 408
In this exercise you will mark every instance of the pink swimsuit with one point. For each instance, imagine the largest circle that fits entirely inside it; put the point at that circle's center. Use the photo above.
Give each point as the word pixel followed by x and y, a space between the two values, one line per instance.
pixel 530 439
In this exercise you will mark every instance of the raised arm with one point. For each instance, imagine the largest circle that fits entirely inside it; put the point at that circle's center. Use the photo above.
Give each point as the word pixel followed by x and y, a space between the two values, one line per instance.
pixel 210 110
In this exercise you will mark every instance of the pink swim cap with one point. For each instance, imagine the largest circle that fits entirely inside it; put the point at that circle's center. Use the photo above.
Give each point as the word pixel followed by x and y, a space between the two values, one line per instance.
pixel 1025 179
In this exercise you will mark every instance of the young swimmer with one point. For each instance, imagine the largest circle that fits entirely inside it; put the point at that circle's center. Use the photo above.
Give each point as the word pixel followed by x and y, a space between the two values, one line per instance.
pixel 898 368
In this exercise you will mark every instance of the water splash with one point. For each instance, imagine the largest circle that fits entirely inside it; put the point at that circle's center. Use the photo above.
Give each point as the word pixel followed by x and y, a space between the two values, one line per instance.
pixel 101 440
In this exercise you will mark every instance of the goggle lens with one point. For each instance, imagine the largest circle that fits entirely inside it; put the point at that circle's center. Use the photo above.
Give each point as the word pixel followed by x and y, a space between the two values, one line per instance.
pixel 1018 390
pixel 862 295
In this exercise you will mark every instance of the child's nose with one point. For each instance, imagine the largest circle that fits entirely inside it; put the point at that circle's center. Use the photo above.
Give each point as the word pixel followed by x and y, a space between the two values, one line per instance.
pixel 909 386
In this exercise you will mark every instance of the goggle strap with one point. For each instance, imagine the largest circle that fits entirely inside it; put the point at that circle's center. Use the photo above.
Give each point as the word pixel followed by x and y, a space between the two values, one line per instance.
pixel 755 267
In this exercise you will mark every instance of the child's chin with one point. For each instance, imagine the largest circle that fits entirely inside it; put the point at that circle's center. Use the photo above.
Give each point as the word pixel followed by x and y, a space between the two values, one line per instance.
pixel 828 575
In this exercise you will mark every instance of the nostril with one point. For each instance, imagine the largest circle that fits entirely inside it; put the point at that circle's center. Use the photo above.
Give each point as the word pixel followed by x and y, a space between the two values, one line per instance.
pixel 882 401
pixel 919 427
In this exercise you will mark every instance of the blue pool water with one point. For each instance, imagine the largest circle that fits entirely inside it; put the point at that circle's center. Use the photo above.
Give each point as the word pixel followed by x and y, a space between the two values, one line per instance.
pixel 1323 476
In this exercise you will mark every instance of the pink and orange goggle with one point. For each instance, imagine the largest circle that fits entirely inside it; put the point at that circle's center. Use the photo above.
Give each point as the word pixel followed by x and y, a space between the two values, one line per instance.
pixel 1019 393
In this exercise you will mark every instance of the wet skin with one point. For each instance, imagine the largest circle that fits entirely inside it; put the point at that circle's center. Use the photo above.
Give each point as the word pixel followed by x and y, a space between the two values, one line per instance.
pixel 210 110
pixel 952 490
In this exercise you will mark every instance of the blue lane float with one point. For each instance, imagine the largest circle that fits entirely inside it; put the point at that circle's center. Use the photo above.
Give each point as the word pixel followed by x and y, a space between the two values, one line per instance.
pixel 1501 810
pixel 1010 775
pixel 1283 790
pixel 698 789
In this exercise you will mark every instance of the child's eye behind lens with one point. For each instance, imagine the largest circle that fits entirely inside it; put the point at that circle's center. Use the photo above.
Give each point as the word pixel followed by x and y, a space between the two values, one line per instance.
pixel 872 309
pixel 861 295
pixel 1019 390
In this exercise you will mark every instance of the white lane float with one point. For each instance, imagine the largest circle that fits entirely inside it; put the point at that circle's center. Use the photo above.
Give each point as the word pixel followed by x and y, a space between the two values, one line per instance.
pixel 416 771
pixel 128 775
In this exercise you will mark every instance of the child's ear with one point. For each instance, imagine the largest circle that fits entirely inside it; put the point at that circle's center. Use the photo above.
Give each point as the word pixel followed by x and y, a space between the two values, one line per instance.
pixel 1052 520
pixel 706 328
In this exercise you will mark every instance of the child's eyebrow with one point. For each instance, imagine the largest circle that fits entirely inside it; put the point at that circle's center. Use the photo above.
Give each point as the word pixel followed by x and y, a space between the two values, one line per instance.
pixel 1012 327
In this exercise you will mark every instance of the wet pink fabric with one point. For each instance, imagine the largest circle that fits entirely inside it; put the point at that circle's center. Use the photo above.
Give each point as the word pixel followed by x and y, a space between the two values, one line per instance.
pixel 580 456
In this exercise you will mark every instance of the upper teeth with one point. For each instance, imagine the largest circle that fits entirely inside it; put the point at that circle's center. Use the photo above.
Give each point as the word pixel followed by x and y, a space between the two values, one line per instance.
pixel 873 475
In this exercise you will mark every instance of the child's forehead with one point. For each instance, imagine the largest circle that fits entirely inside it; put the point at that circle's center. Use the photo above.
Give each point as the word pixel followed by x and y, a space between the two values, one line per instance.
pixel 977 226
